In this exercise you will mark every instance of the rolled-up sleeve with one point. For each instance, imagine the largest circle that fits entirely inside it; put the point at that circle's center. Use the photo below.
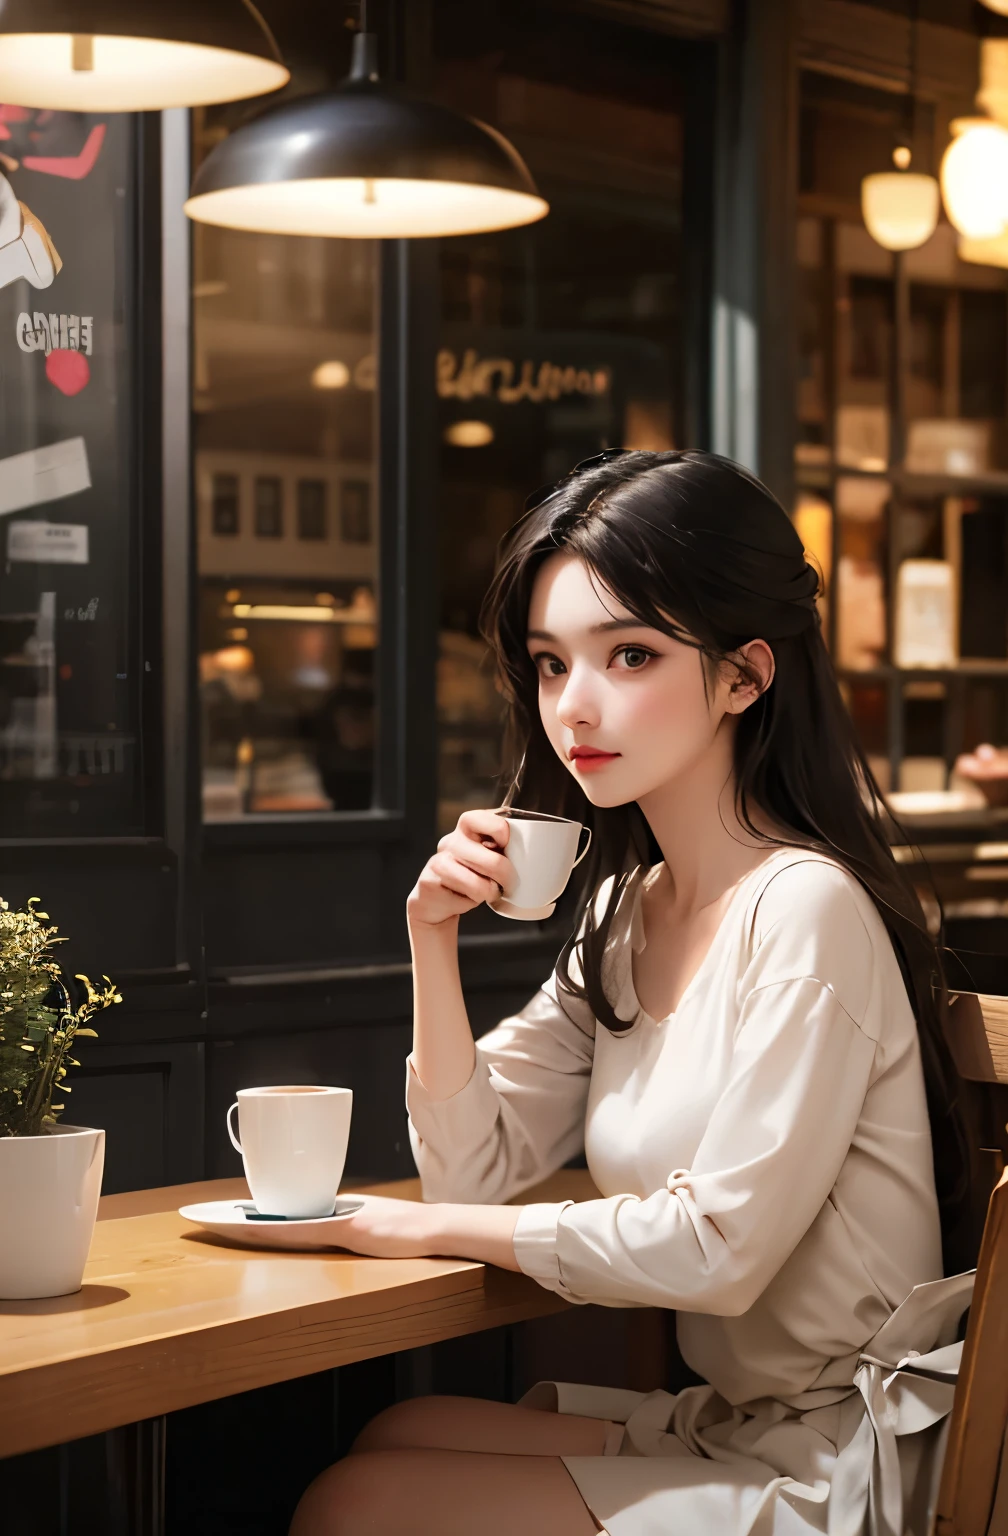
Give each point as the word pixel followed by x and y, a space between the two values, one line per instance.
pixel 714 1237
pixel 521 1114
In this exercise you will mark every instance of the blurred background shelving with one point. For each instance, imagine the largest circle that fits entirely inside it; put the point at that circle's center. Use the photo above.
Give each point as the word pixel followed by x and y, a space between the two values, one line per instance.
pixel 901 466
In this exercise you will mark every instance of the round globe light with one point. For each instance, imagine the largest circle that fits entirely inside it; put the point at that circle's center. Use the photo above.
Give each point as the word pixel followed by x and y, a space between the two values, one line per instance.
pixel 992 252
pixel 333 374
pixel 469 434
pixel 974 178
pixel 999 6
pixel 900 208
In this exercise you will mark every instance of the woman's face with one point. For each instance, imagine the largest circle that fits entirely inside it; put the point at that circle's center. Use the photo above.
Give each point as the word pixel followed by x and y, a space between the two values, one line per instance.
pixel 624 705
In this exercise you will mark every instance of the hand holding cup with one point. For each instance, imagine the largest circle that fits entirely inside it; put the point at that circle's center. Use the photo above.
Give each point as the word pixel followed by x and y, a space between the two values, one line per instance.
pixel 517 861
pixel 468 868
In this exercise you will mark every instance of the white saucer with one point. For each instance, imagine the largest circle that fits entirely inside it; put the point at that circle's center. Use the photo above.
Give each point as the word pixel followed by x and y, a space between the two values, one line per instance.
pixel 227 1218
pixel 505 908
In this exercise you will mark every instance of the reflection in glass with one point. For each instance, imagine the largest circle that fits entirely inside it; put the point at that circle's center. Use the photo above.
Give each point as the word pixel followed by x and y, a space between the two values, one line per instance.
pixel 268 507
pixel 556 340
pixel 355 512
pixel 284 396
pixel 311 508
pixel 224 511
pixel 70 678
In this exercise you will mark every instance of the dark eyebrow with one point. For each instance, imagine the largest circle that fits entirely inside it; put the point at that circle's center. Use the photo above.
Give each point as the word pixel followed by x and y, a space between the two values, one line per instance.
pixel 596 629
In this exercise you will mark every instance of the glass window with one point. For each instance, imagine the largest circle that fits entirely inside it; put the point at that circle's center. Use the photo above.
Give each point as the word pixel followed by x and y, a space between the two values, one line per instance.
pixel 355 512
pixel 225 507
pixel 269 507
pixel 559 339
pixel 312 509
pixel 285 403
pixel 70 671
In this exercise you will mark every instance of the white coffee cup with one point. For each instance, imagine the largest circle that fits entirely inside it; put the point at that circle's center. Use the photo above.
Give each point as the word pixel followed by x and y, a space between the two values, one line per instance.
pixel 293 1146
pixel 543 850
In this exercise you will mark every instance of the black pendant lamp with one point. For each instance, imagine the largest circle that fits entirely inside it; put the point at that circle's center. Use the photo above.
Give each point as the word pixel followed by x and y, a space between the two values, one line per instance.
pixel 366 160
pixel 134 55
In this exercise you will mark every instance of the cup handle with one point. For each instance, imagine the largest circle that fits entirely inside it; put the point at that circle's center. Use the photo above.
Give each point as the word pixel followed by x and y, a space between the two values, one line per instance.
pixel 584 850
pixel 234 1139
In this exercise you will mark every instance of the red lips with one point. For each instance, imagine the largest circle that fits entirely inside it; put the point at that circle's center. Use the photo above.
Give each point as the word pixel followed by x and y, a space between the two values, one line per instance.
pixel 587 758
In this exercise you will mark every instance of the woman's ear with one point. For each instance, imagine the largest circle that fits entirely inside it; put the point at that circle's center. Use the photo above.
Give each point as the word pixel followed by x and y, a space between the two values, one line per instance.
pixel 749 676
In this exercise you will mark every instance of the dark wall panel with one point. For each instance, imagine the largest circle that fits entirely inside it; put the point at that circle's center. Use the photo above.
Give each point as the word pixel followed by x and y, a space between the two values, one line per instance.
pixel 149 1101
pixel 368 1058
pixel 292 906
pixel 114 901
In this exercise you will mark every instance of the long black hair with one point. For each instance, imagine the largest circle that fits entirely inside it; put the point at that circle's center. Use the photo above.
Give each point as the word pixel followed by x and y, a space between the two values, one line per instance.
pixel 698 548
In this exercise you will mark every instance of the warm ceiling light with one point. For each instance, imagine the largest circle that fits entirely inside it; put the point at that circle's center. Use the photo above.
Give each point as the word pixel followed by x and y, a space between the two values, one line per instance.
pixel 469 434
pixel 974 177
pixel 1000 6
pixel 992 97
pixel 122 56
pixel 305 613
pixel 992 252
pixel 331 375
pixel 900 208
pixel 367 160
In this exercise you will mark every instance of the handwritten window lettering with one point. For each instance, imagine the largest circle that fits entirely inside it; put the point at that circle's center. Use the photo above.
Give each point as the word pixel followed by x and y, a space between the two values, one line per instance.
pixel 500 378
pixel 49 333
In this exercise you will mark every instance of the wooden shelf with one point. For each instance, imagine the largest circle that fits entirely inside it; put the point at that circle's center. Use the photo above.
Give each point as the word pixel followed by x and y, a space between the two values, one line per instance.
pixel 912 483
pixel 980 668
pixel 907 482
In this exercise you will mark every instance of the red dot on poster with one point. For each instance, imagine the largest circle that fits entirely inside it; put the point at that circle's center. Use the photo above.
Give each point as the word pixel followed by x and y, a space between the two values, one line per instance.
pixel 69 371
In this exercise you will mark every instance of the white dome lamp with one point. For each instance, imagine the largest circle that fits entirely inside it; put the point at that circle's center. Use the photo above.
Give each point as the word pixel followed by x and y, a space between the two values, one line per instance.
pixel 121 56
pixel 900 207
pixel 367 160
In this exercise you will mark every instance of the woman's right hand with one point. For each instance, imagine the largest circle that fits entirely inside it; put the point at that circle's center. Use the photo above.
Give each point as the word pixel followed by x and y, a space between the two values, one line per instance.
pixel 468 868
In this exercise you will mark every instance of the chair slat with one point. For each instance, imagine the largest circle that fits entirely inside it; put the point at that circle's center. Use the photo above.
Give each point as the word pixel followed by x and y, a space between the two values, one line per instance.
pixel 969 1482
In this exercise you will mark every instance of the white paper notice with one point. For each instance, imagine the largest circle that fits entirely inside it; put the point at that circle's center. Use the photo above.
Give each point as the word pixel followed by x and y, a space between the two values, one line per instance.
pixel 53 543
pixel 43 474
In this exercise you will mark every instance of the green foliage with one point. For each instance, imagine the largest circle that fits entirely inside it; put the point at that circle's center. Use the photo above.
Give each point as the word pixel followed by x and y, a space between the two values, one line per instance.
pixel 38 1023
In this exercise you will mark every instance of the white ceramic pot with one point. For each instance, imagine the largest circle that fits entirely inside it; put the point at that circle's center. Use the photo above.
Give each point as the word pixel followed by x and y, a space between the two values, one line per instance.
pixel 49 1188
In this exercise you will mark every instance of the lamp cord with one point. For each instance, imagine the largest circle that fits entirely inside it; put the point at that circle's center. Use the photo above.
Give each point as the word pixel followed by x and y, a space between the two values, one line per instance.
pixel 363 15
pixel 911 111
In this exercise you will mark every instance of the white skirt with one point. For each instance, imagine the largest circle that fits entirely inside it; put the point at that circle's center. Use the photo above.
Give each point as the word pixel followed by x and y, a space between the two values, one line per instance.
pixel 861 1463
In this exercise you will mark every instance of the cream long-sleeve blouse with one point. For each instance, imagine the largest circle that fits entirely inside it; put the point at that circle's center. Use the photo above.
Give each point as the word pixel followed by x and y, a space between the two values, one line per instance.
pixel 763 1154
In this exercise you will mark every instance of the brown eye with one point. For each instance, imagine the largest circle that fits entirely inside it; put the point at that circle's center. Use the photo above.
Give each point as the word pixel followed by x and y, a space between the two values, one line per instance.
pixel 635 656
pixel 547 665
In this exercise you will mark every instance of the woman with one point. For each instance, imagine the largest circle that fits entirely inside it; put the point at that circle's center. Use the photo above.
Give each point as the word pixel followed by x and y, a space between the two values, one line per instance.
pixel 743 1035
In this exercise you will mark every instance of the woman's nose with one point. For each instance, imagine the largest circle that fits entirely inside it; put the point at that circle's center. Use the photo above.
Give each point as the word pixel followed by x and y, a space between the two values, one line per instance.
pixel 578 704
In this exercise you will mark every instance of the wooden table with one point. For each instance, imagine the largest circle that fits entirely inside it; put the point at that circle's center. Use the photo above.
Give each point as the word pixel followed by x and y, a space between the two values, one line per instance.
pixel 169 1317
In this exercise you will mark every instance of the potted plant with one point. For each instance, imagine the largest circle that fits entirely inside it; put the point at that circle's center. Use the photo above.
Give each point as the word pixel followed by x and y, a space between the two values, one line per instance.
pixel 50 1173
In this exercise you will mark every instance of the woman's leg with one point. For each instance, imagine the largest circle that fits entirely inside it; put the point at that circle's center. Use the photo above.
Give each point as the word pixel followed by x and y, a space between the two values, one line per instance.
pixel 473 1424
pixel 456 1466
pixel 443 1493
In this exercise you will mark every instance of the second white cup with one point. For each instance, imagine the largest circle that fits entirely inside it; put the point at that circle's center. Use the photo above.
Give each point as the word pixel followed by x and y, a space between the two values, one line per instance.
pixel 293 1143
pixel 544 851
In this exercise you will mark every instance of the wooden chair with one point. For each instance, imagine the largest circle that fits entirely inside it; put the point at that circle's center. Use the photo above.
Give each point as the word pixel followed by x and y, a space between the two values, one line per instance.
pixel 973 1496
pixel 977 1033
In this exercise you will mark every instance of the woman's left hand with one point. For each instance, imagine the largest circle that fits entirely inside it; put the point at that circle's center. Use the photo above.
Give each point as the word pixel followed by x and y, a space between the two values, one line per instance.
pixel 408 1229
pixel 391 1229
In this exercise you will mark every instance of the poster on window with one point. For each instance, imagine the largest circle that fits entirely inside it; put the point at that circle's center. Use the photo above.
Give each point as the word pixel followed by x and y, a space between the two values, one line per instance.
pixel 68 702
